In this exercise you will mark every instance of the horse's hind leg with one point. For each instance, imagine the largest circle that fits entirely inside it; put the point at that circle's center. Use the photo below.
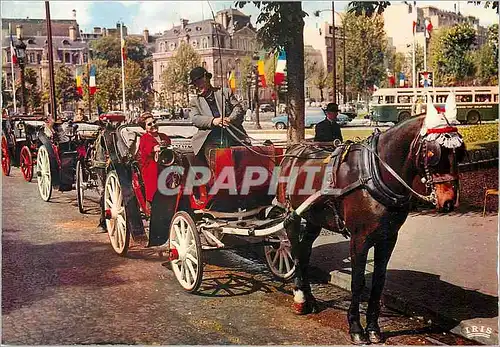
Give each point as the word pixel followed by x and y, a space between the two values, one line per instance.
pixel 382 254
pixel 301 246
pixel 359 253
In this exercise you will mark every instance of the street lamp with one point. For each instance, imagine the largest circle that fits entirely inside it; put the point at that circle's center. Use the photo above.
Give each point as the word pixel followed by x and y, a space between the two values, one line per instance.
pixel 334 67
pixel 256 58
pixel 21 60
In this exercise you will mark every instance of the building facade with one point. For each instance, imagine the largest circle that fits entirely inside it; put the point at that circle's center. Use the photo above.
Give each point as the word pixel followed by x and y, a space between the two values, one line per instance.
pixel 68 48
pixel 398 19
pixel 221 44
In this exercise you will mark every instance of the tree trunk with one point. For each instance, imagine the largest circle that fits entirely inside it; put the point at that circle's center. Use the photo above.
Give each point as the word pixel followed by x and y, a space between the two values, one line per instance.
pixel 321 95
pixel 295 77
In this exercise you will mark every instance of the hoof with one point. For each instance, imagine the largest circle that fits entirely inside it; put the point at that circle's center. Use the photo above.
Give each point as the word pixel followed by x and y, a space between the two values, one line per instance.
pixel 359 339
pixel 304 308
pixel 374 336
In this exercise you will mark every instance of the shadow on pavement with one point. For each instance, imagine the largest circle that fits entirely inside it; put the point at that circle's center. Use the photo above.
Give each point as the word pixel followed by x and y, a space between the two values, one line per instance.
pixel 31 272
pixel 437 299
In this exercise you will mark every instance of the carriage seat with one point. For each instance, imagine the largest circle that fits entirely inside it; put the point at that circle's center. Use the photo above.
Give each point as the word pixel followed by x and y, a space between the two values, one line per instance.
pixel 131 137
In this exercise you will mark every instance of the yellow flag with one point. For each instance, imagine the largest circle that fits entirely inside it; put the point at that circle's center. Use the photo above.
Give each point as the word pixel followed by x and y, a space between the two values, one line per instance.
pixel 232 81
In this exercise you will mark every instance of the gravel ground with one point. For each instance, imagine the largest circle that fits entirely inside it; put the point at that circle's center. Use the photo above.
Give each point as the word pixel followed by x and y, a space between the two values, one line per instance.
pixel 473 185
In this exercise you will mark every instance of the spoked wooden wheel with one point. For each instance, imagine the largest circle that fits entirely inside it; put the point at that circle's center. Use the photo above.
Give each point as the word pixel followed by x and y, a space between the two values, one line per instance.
pixel 5 157
pixel 44 176
pixel 279 256
pixel 26 164
pixel 116 217
pixel 185 251
pixel 80 186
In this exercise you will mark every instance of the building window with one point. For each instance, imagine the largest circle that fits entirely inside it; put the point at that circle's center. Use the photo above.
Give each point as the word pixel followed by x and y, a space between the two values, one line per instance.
pixel 85 58
pixel 204 43
pixel 67 58
pixel 172 46
pixel 39 58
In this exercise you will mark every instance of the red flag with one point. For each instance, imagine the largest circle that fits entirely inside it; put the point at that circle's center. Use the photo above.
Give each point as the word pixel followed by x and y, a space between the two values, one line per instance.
pixel 13 55
pixel 428 28
pixel 124 50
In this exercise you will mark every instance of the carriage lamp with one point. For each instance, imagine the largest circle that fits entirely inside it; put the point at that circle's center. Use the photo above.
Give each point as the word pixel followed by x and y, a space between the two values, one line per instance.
pixel 20 49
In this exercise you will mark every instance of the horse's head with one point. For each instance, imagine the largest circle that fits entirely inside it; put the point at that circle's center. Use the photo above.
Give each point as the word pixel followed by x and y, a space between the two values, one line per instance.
pixel 440 150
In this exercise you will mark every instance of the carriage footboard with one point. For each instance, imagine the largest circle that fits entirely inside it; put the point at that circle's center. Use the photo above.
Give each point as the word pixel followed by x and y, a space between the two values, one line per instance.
pixel 280 226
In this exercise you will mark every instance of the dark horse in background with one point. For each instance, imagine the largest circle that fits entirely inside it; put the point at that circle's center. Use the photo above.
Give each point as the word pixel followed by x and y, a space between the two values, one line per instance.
pixel 364 199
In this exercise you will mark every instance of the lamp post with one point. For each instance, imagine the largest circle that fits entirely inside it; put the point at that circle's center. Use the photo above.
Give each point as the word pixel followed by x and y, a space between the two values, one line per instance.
pixel 21 60
pixel 255 58
pixel 334 67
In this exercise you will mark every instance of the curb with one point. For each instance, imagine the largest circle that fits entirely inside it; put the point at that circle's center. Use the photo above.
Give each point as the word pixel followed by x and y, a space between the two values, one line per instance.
pixel 393 297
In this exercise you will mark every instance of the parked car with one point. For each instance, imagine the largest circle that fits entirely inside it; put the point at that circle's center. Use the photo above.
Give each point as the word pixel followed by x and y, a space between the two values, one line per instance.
pixel 266 108
pixel 313 117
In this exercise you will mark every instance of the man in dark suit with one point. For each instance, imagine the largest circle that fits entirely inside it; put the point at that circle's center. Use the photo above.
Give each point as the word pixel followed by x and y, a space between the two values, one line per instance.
pixel 328 130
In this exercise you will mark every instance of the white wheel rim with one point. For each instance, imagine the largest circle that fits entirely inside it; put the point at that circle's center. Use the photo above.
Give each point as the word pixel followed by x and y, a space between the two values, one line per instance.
pixel 280 259
pixel 182 239
pixel 79 180
pixel 44 179
pixel 117 224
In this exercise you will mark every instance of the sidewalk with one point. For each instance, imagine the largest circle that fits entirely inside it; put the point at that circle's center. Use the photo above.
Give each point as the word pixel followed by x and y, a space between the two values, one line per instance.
pixel 444 268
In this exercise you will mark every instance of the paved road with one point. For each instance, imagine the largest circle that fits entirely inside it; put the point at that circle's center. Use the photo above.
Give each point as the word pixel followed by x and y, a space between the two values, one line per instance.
pixel 62 284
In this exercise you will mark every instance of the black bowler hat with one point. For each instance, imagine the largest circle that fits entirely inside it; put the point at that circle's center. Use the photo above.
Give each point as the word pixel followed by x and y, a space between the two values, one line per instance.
pixel 197 73
pixel 332 107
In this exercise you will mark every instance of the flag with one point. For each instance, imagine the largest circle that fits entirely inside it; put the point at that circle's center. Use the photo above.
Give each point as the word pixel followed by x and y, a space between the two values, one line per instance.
pixel 402 79
pixel 13 56
pixel 279 74
pixel 415 17
pixel 262 76
pixel 92 85
pixel 124 50
pixel 428 28
pixel 232 81
pixel 78 74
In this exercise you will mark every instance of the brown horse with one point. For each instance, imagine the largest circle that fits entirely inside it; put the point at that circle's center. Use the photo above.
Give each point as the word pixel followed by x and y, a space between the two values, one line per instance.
pixel 366 193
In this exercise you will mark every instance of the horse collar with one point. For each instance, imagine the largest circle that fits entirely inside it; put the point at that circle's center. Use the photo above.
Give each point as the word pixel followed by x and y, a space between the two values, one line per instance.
pixel 375 185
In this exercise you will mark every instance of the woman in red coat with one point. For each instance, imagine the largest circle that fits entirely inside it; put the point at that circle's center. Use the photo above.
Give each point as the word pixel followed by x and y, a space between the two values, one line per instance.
pixel 149 145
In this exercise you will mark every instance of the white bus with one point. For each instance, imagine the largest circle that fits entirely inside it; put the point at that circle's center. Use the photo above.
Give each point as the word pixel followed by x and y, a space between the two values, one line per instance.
pixel 473 103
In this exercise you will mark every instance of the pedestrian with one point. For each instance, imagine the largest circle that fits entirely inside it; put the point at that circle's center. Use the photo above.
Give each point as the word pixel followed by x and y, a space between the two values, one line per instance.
pixel 328 129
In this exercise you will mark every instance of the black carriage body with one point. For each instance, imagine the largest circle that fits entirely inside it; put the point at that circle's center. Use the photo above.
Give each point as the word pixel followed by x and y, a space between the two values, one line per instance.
pixel 123 145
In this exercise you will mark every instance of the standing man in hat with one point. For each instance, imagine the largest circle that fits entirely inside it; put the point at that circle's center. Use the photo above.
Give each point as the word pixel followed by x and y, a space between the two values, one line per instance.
pixel 207 115
pixel 328 130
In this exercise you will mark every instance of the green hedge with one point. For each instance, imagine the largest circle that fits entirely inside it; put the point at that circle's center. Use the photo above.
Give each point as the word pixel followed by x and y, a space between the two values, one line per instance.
pixel 479 133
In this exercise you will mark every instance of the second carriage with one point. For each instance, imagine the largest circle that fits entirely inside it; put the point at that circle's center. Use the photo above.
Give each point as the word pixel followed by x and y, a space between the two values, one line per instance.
pixel 197 219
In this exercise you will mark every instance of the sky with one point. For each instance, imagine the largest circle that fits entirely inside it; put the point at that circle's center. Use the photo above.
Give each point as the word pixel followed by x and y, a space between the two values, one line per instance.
pixel 158 16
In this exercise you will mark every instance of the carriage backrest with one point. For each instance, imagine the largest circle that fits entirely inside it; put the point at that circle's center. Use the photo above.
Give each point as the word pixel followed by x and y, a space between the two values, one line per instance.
pixel 241 157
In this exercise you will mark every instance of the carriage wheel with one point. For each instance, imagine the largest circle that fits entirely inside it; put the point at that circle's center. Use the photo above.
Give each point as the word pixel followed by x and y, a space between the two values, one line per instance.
pixel 80 183
pixel 279 258
pixel 44 176
pixel 5 157
pixel 116 217
pixel 26 163
pixel 185 249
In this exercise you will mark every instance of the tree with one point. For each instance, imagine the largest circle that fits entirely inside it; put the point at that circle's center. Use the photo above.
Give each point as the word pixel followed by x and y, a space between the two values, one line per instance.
pixel 320 80
pixel 175 78
pixel 365 52
pixel 33 94
pixel 451 55
pixel 310 66
pixel 486 59
pixel 109 48
pixel 246 67
pixel 367 8
pixel 134 77
pixel 6 94
pixel 283 27
pixel 487 4
pixel 65 86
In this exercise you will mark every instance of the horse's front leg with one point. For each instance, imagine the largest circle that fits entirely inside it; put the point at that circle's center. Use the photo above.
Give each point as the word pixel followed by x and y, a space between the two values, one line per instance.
pixel 359 253
pixel 382 254
pixel 301 247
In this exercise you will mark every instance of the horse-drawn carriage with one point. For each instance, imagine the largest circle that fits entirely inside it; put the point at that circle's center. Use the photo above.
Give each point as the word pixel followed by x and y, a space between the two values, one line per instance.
pixel 193 218
pixel 58 155
pixel 20 136
pixel 91 167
